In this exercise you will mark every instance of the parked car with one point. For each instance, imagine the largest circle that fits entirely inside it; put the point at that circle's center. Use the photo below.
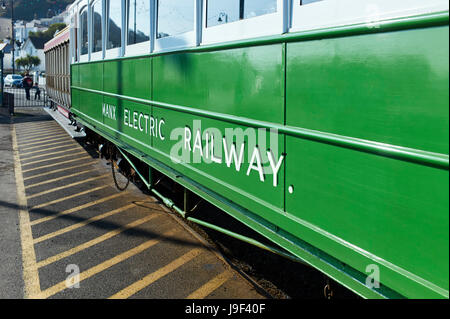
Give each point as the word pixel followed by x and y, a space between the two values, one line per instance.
pixel 13 80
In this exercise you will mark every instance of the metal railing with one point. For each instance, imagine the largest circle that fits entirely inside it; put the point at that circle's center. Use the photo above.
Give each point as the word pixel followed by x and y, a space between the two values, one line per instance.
pixel 14 97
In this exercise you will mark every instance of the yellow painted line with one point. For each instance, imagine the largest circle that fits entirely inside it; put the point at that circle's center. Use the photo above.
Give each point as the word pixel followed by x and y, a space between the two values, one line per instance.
pixel 47 140
pixel 95 241
pixel 75 209
pixel 44 135
pixel 59 178
pixel 28 124
pixel 41 133
pixel 48 191
pixel 47 122
pixel 30 273
pixel 56 164
pixel 54 158
pixel 59 170
pixel 48 154
pixel 23 158
pixel 36 129
pixel 83 223
pixel 28 140
pixel 51 144
pixel 151 278
pixel 104 265
pixel 210 286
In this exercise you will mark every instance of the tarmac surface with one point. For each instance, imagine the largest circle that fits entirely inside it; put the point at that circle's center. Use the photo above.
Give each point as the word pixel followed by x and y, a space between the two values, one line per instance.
pixel 67 232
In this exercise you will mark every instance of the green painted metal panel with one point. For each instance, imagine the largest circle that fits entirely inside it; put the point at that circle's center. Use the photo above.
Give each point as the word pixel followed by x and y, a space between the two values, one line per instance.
pixel 75 81
pixel 218 81
pixel 388 87
pixel 75 74
pixel 89 103
pixel 135 77
pixel 91 76
pixel 385 88
pixel 391 211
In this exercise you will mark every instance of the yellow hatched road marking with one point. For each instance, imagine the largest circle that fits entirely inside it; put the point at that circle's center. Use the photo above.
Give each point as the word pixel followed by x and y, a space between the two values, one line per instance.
pixel 65 198
pixel 38 125
pixel 210 286
pixel 47 140
pixel 38 132
pixel 54 158
pixel 59 170
pixel 48 154
pixel 56 164
pixel 41 122
pixel 81 224
pixel 75 209
pixel 22 155
pixel 27 140
pixel 36 128
pixel 68 143
pixel 104 265
pixel 151 278
pixel 59 178
pixel 94 241
pixel 30 273
pixel 67 186
pixel 44 135
pixel 28 124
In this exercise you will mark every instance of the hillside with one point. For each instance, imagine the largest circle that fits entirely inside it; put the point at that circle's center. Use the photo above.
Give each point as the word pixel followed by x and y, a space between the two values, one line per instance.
pixel 31 9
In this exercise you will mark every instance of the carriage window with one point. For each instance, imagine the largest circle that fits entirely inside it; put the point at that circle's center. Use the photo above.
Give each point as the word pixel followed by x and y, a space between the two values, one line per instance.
pixel 138 21
pixel 97 26
pixel 84 31
pixel 303 2
pixel 175 17
pixel 221 12
pixel 254 8
pixel 114 37
pixel 74 39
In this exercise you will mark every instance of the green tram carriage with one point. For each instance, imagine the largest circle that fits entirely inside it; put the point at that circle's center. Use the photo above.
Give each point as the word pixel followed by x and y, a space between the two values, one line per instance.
pixel 322 125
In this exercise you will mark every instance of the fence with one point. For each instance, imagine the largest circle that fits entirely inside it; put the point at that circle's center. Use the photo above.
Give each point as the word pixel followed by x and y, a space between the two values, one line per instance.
pixel 14 97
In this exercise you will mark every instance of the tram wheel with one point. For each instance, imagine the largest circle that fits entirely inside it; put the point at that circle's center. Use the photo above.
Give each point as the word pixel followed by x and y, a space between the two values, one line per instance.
pixel 120 176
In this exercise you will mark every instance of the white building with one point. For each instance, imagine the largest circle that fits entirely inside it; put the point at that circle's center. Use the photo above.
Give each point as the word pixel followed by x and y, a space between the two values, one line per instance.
pixel 34 47
pixel 22 29
pixel 7 58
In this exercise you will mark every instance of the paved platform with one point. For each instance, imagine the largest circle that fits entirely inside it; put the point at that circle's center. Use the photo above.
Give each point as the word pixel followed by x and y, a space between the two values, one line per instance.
pixel 67 232
pixel 64 122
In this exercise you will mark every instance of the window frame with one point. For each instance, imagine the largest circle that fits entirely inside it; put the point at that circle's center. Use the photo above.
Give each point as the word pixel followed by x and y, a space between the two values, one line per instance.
pixel 73 37
pixel 259 26
pixel 114 52
pixel 99 54
pixel 290 17
pixel 321 15
pixel 142 47
pixel 179 41
pixel 82 6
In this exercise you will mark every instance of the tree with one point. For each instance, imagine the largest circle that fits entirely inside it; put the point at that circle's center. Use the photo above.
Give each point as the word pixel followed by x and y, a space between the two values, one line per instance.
pixel 49 33
pixel 28 62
